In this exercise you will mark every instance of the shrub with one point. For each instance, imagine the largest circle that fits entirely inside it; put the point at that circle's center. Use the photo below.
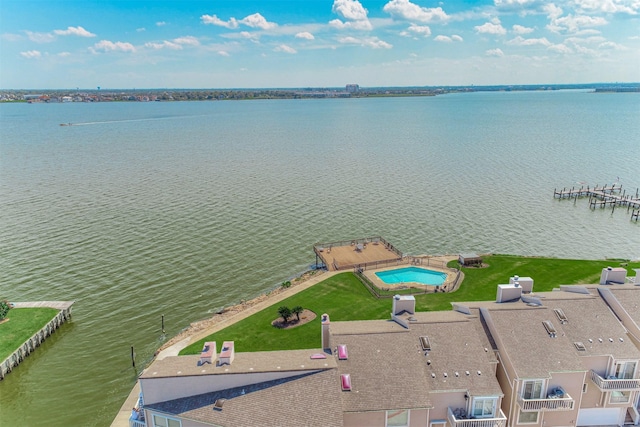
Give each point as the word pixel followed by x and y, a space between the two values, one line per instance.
pixel 5 306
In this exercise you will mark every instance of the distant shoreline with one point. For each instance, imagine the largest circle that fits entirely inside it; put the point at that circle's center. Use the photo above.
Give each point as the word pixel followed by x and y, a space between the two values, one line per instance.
pixel 350 91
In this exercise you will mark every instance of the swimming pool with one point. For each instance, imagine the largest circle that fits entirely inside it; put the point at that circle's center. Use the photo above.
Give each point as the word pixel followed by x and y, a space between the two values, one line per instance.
pixel 412 274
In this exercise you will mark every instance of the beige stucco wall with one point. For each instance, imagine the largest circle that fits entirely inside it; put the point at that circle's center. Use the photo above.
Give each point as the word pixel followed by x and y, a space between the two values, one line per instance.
pixel 593 398
pixel 417 418
pixel 441 401
pixel 571 382
pixel 361 419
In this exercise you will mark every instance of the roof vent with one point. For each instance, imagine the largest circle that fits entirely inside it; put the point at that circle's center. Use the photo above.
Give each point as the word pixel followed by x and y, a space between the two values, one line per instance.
pixel 218 404
pixel 561 316
pixel 479 373
pixel 621 339
pixel 345 380
pixel 590 340
pixel 551 330
pixel 445 375
pixel 457 374
pixel 467 373
pixel 599 339
pixel 433 375
pixel 342 352
pixel 429 362
pixel 610 339
pixel 425 343
pixel 580 346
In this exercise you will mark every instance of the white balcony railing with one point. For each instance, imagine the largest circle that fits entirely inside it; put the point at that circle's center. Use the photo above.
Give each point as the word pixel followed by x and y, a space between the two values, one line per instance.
pixel 554 404
pixel 137 423
pixel 500 421
pixel 615 384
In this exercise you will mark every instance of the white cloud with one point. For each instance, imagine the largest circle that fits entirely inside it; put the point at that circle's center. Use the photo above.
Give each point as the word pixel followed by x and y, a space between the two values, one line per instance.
pixel 141 29
pixel 284 48
pixel 519 29
pixel 354 14
pixel 109 46
pixel 74 31
pixel 520 41
pixel 305 35
pixel 573 24
pixel 223 53
pixel 560 48
pixel 420 29
pixel 254 21
pixel 447 39
pixel 553 11
pixel 495 52
pixel 441 38
pixel 257 21
pixel 40 37
pixel 351 10
pixel 187 40
pixel 609 6
pixel 372 42
pixel 404 9
pixel 31 54
pixel 64 54
pixel 214 20
pixel 161 23
pixel 490 28
pixel 611 45
pixel 164 45
pixel 355 25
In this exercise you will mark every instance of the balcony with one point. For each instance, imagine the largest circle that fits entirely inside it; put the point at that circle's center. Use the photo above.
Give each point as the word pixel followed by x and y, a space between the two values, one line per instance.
pixel 550 404
pixel 614 384
pixel 500 421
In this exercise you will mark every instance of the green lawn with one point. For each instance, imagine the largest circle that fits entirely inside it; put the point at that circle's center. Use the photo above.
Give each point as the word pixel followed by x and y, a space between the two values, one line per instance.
pixel 344 297
pixel 23 324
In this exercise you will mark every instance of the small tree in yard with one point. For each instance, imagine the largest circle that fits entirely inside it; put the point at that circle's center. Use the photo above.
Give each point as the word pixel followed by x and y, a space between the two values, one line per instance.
pixel 285 313
pixel 4 309
pixel 297 310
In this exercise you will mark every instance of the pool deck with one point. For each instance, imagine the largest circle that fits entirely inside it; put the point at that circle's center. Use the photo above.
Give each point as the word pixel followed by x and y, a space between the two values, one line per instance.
pixel 371 275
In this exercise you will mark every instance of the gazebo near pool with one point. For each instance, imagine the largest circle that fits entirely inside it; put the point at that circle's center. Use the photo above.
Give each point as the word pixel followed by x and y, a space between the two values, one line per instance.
pixel 349 254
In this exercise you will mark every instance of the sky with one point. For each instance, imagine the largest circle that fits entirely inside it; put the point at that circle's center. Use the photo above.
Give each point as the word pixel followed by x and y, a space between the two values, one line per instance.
pixel 315 43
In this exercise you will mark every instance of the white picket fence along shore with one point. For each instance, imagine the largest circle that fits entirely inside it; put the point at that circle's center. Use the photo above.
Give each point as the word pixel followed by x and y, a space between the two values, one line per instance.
pixel 30 345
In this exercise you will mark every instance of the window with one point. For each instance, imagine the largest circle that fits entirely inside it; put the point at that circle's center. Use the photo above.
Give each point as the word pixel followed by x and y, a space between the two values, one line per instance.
pixel 162 421
pixel 584 387
pixel 528 418
pixel 398 418
pixel 532 389
pixel 620 397
pixel 625 370
pixel 484 407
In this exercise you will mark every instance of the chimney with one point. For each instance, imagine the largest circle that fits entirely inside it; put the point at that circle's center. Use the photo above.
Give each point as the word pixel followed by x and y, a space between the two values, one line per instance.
pixel 227 353
pixel 326 336
pixel 404 303
pixel 508 292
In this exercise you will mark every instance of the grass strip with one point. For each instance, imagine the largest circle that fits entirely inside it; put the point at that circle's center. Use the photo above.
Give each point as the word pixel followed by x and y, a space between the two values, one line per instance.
pixel 22 324
pixel 344 298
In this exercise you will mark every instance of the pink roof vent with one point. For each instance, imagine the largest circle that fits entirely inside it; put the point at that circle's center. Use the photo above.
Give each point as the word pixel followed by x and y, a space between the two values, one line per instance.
pixel 345 380
pixel 342 352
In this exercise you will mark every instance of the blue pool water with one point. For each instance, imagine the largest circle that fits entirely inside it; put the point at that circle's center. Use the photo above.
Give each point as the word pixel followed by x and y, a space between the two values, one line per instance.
pixel 412 274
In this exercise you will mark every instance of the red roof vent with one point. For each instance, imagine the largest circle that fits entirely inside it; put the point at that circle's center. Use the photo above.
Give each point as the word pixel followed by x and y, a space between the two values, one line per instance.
pixel 345 380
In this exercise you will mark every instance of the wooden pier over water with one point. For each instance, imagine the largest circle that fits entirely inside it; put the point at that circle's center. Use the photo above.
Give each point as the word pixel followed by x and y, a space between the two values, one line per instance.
pixel 601 196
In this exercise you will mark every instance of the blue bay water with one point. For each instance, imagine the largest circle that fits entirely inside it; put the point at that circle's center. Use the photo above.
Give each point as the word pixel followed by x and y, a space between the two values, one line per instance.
pixel 144 209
